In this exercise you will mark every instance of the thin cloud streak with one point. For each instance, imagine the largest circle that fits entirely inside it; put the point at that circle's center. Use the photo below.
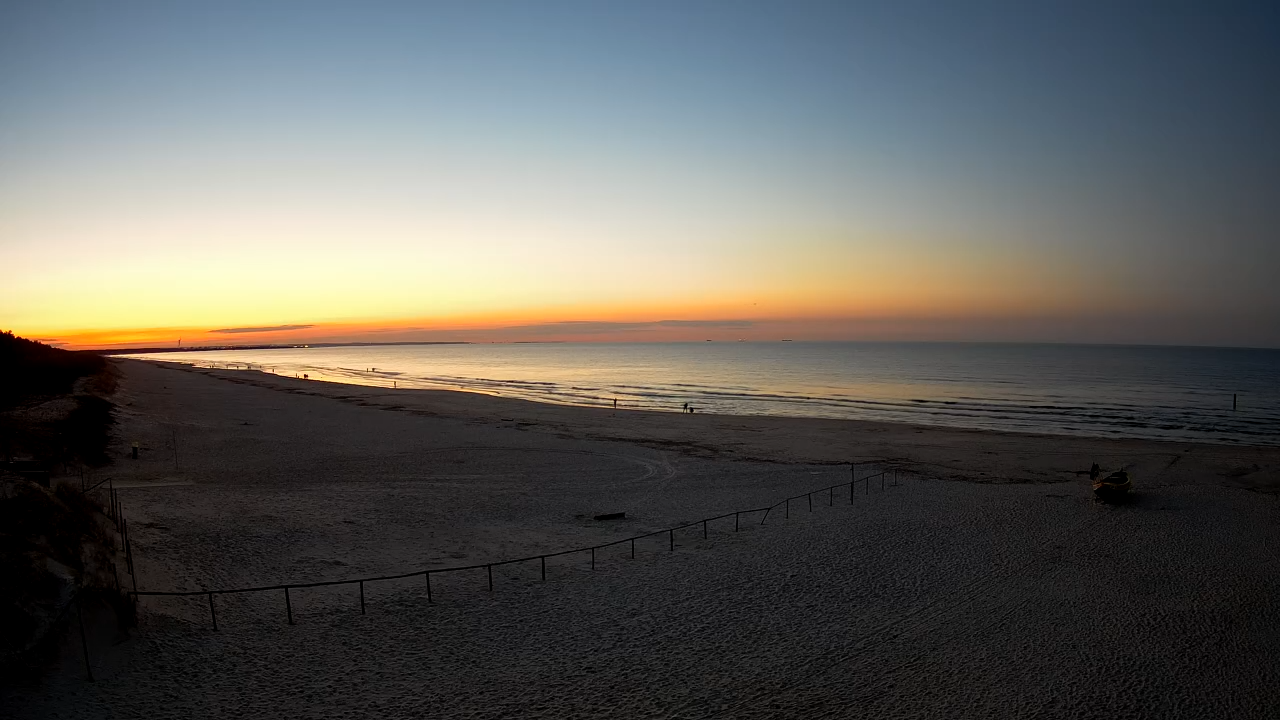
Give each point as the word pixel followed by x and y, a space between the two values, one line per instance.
pixel 591 327
pixel 264 329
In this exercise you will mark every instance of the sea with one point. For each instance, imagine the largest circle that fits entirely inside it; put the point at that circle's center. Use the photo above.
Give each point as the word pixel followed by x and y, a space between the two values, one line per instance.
pixel 1217 395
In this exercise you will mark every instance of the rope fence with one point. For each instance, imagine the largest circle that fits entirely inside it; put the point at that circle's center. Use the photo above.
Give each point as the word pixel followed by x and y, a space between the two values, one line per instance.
pixel 108 496
pixel 115 513
pixel 541 559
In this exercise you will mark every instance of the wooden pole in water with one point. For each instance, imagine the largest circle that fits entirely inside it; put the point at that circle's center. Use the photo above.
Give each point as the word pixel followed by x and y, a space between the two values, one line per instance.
pixel 1233 402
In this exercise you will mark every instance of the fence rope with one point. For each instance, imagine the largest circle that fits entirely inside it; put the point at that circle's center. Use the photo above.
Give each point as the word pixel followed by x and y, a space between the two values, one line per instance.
pixel 542 558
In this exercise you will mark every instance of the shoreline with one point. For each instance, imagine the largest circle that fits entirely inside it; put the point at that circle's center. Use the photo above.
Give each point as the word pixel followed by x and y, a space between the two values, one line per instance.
pixel 112 352
pixel 1109 394
pixel 976 455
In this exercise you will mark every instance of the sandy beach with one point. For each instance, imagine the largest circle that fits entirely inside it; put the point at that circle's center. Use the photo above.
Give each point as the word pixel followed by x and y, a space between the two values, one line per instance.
pixel 986 583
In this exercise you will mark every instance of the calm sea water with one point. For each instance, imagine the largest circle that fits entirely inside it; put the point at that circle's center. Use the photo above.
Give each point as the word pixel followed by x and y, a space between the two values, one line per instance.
pixel 1147 392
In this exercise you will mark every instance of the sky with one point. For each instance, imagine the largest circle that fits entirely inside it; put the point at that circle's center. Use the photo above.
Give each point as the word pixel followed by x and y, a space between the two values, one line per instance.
pixel 254 172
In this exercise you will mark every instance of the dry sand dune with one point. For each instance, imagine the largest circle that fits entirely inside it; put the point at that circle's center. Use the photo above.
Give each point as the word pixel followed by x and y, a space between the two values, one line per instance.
pixel 1015 595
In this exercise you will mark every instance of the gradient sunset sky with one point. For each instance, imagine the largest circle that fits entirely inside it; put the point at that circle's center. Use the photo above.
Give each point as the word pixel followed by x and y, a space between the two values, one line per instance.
pixel 254 172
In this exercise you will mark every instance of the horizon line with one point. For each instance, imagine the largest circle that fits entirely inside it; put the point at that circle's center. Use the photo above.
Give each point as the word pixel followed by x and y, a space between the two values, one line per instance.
pixel 302 346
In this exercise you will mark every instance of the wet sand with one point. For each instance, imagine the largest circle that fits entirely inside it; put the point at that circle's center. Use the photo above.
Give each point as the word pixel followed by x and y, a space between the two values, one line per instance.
pixel 987 583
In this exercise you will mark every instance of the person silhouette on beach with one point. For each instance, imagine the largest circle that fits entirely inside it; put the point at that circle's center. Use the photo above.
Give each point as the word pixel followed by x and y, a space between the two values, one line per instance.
pixel 685 408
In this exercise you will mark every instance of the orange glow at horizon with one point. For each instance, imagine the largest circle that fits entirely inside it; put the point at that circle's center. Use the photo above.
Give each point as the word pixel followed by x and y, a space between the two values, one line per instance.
pixel 781 279
pixel 884 299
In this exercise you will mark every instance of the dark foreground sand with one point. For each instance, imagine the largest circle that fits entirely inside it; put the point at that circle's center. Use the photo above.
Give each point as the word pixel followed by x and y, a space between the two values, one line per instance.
pixel 987 584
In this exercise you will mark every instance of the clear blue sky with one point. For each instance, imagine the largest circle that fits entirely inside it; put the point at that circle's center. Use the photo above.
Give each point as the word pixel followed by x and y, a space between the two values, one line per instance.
pixel 1060 171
